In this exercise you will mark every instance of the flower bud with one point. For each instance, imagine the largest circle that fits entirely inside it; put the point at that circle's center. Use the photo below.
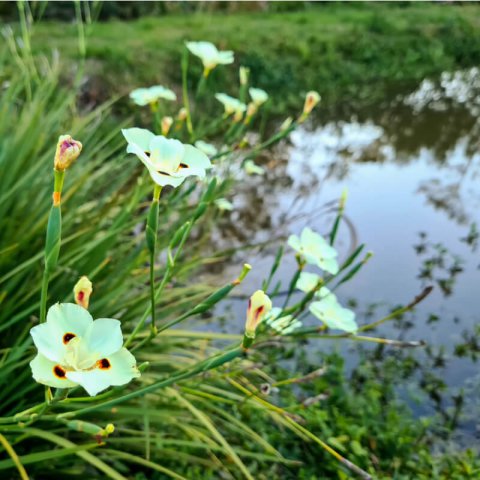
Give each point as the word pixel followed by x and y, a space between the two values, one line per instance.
pixel 258 306
pixel 286 124
pixel 244 73
pixel 166 124
pixel 251 110
pixel 238 116
pixel 311 100
pixel 82 291
pixel 67 152
pixel 182 115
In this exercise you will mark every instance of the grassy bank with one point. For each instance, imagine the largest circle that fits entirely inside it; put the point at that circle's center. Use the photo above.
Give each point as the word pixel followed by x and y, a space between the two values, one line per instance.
pixel 349 52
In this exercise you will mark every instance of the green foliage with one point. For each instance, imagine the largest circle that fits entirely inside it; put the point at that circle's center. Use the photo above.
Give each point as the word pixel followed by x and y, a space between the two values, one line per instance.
pixel 346 52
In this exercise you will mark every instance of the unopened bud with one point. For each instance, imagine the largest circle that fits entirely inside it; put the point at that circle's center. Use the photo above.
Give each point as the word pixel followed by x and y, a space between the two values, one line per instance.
pixel 251 110
pixel 82 291
pixel 258 306
pixel 166 124
pixel 286 124
pixel 238 116
pixel 182 114
pixel 109 429
pixel 311 100
pixel 244 73
pixel 67 152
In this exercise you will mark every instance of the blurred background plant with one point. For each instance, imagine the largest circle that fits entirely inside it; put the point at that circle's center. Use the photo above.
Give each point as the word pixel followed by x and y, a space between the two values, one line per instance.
pixel 239 421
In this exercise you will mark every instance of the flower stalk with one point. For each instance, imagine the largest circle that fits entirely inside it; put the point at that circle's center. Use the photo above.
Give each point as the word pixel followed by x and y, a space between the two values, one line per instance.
pixel 66 153
pixel 186 103
pixel 151 237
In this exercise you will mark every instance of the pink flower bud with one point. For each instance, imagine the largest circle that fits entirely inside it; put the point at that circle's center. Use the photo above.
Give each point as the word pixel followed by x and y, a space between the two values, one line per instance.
pixel 67 152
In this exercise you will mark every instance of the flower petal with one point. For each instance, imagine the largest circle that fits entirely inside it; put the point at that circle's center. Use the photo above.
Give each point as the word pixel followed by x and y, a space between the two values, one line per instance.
pixel 225 57
pixel 307 281
pixel 122 369
pixel 138 136
pixel 62 319
pixel 159 91
pixel 104 337
pixel 294 242
pixel 43 372
pixel 194 157
pixel 166 154
pixel 136 150
pixel 332 314
pixel 330 265
pixel 163 180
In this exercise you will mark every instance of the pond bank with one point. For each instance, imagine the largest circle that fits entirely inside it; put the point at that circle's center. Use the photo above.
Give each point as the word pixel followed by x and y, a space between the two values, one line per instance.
pixel 350 53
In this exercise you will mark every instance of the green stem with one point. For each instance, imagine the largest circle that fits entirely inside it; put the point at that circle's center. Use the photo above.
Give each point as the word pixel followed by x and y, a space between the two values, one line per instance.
pixel 43 295
pixel 151 234
pixel 209 364
pixel 186 102
pixel 152 290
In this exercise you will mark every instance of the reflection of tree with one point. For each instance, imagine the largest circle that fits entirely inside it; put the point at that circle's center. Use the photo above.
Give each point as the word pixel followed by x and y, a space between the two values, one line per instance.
pixel 409 132
pixel 446 198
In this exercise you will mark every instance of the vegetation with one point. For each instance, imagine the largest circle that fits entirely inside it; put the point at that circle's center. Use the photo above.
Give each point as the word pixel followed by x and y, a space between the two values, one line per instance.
pixel 202 408
pixel 345 51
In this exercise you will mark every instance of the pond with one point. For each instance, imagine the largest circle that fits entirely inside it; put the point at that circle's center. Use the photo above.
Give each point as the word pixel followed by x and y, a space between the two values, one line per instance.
pixel 411 168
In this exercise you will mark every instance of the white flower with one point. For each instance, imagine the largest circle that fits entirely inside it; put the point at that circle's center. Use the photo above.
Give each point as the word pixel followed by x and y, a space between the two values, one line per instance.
pixel 169 161
pixel 259 306
pixel 252 169
pixel 258 96
pixel 307 281
pixel 73 349
pixel 206 148
pixel 231 105
pixel 146 96
pixel 283 325
pixel 332 314
pixel 316 251
pixel 223 204
pixel 210 55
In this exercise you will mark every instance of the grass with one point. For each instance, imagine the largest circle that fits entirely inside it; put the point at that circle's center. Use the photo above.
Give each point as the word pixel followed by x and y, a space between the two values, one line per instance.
pixel 180 419
pixel 350 53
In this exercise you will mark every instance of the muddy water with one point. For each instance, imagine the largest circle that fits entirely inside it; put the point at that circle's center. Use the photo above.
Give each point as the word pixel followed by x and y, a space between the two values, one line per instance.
pixel 411 166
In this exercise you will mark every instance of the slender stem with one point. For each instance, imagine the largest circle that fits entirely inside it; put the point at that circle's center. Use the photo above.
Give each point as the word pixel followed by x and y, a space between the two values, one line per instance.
pixel 43 295
pixel 208 364
pixel 186 102
pixel 152 289
pixel 152 229
pixel 400 311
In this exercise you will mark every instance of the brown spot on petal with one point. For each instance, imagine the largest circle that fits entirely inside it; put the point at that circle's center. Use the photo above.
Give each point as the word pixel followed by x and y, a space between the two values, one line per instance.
pixel 60 372
pixel 182 165
pixel 67 337
pixel 104 364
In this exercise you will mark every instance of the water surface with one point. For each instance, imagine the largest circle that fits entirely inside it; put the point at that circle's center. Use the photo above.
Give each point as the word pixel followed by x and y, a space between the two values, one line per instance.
pixel 411 168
